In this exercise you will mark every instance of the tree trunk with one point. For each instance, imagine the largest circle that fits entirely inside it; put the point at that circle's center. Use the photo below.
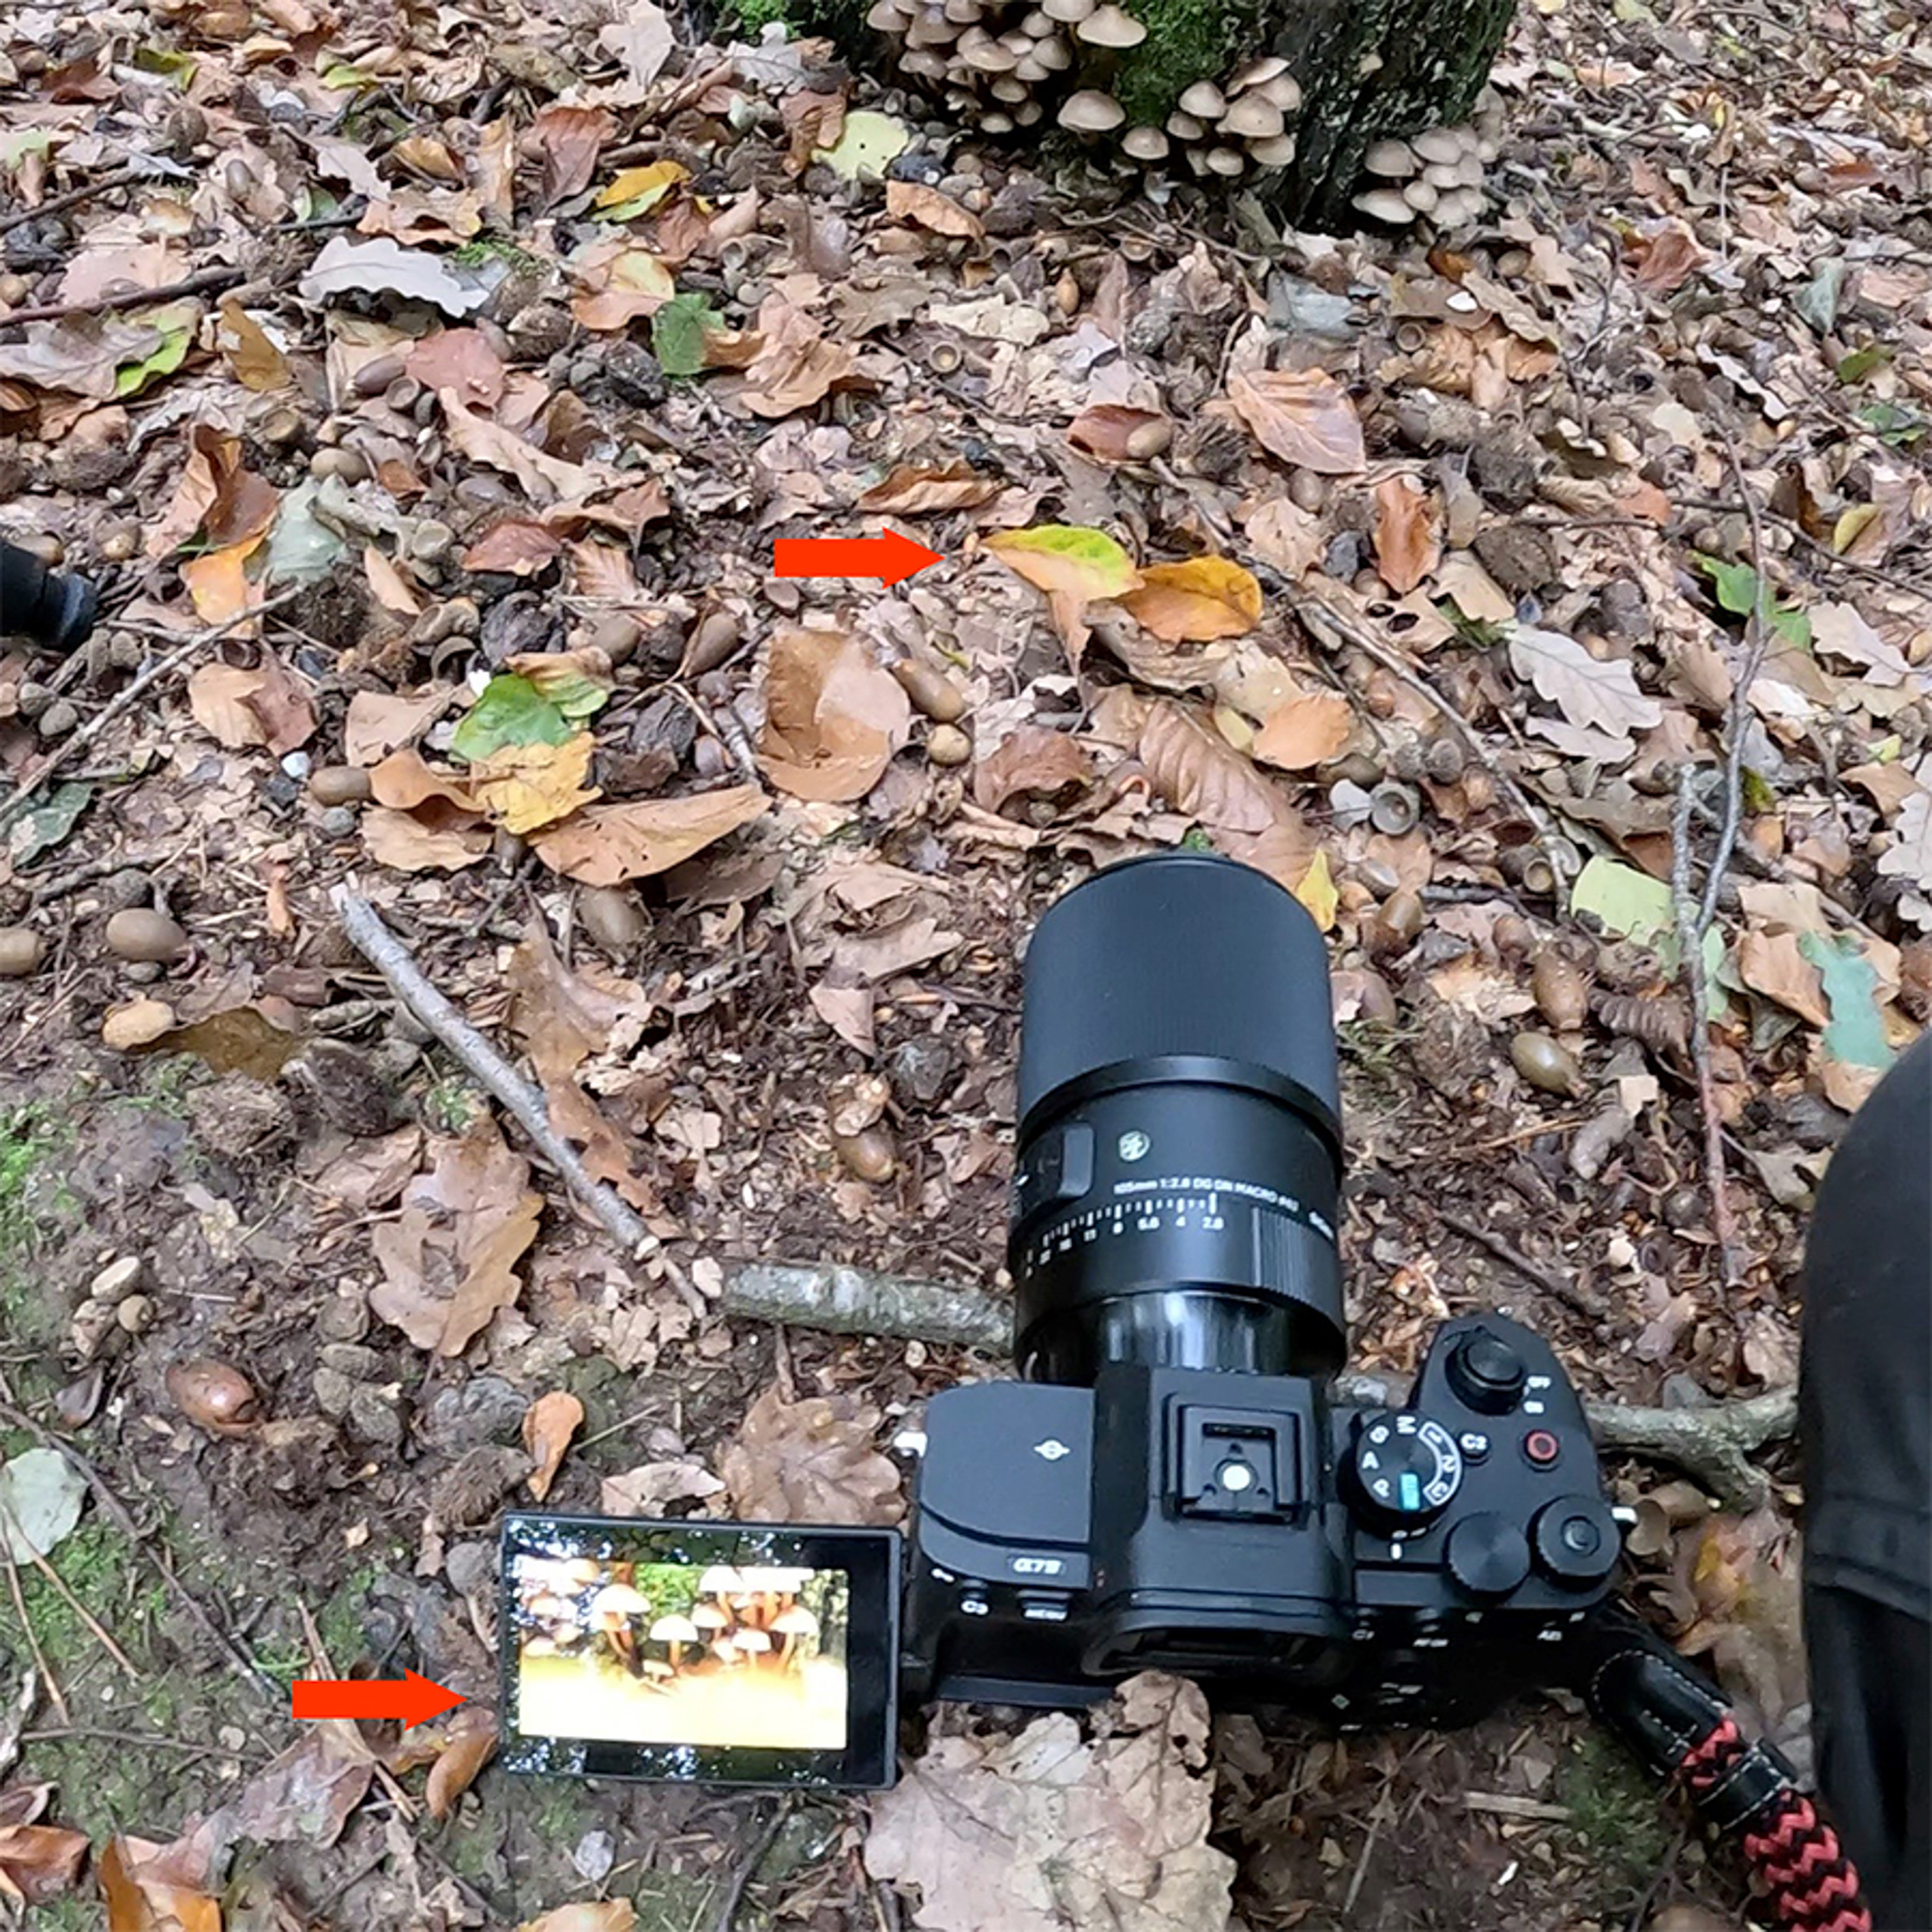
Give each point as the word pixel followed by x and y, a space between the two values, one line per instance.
pixel 1366 69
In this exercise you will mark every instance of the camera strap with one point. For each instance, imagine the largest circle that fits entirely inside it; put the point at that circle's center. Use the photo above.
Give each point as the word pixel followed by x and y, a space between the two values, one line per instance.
pixel 1677 1721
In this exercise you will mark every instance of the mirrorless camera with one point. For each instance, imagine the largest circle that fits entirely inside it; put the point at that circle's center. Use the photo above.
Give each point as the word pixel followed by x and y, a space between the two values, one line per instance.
pixel 1170 1486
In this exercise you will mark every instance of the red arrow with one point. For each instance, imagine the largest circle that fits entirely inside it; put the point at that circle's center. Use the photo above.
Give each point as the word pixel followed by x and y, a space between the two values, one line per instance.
pixel 890 558
pixel 412 1698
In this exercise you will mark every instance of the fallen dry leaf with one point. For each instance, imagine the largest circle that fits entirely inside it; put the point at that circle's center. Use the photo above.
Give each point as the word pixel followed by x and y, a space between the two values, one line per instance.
pixel 1114 433
pixel 914 201
pixel 450 1258
pixel 568 140
pixel 1281 533
pixel 152 1887
pixel 610 1915
pixel 1408 537
pixel 36 1862
pixel 607 845
pixel 914 491
pixel 795 366
pixel 653 1488
pixel 1032 760
pixel 1305 732
pixel 402 840
pixel 1317 890
pixel 257 362
pixel 524 788
pixel 543 476
pixel 812 1462
pixel 220 587
pixel 388 584
pixel 382 721
pixel 267 705
pixel 1196 602
pixel 471 1746
pixel 834 716
pixel 1067 559
pixel 549 1424
pixel 517 547
pixel 1302 416
pixel 1046 1833
pixel 1197 771
pixel 1773 964
pixel 307 1794
pixel 1599 692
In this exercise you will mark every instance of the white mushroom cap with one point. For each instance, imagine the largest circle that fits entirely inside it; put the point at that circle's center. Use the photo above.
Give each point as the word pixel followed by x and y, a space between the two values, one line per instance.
pixel 723 1647
pixel 1274 154
pixel 673 1630
pixel 720 1580
pixel 1107 26
pixel 751 1640
pixel 1283 90
pixel 1386 204
pixel 921 61
pixel 1459 206
pixel 1226 161
pixel 1009 88
pixel 1032 72
pixel 1066 12
pixel 583 1569
pixel 1438 144
pixel 996 123
pixel 1053 53
pixel 1270 67
pixel 1469 170
pixel 797 1622
pixel 1039 24
pixel 932 29
pixel 1028 112
pixel 618 1599
pixel 1252 118
pixel 978 49
pixel 888 17
pixel 1091 113
pixel 1393 161
pixel 1144 144
pixel 1421 195
pixel 964 12
pixel 708 1616
pixel 1203 99
pixel 1440 174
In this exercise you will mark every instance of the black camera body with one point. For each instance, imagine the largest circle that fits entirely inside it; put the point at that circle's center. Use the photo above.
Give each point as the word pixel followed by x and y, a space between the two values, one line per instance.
pixel 1173 1486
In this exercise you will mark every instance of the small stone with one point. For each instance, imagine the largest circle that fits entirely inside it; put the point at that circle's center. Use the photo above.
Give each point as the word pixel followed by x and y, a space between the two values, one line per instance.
pixel 345 465
pixel 485 1408
pixel 348 1358
pixel 337 822
pixel 21 950
pixel 297 764
pixel 614 917
pixel 344 1317
pixel 339 785
pixel 332 1392
pixel 373 377
pixel 142 933
pixel 376 1418
pixel 430 540
pixel 135 1313
pixel 949 746
pixel 59 719
pixel 144 972
pixel 472 1568
pixel 468 1492
pixel 32 698
pixel 921 1069
pixel 632 373
pixel 117 1280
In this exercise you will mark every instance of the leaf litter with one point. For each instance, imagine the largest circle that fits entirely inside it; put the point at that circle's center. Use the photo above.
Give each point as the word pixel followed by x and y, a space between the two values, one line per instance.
pixel 521 380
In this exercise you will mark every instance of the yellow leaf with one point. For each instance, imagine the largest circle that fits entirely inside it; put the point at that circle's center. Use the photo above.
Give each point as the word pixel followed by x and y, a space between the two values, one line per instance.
pixel 1846 531
pixel 642 188
pixel 1307 730
pixel 1067 559
pixel 1196 602
pixel 1317 892
pixel 526 786
pixel 218 582
pixel 257 362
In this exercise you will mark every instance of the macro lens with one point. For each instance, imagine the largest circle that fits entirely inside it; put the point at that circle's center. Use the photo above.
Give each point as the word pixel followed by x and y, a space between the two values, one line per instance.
pixel 1180 1138
pixel 47 609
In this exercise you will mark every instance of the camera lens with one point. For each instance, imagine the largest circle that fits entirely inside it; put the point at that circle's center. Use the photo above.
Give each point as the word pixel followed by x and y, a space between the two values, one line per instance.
pixel 1179 1141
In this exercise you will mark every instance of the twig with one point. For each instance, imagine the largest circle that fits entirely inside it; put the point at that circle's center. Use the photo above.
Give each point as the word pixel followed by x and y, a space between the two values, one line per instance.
pixel 72 198
pixel 385 951
pixel 748 1866
pixel 1572 1293
pixel 117 1511
pixel 8 1519
pixel 150 676
pixel 1318 614
pixel 201 282
pixel 1709 1443
pixel 47 1676
pixel 145 1739
pixel 1757 642
pixel 1690 964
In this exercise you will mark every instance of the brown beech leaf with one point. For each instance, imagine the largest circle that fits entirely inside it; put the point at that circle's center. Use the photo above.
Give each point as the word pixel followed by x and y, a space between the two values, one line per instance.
pixel 610 1915
pixel 1773 965
pixel 460 359
pixel 484 441
pixel 915 202
pixel 1408 539
pixel 652 1488
pixel 518 547
pixel 257 362
pixel 1043 1831
pixel 524 787
pixel 605 845
pixel 564 1015
pixel 1196 602
pixel 1282 533
pixel 795 366
pixel 471 1746
pixel 266 705
pixel 1666 258
pixel 1197 771
pixel 1304 731
pixel 568 139
pixel 832 716
pixel 36 1862
pixel 1302 416
pixel 812 1462
pixel 388 585
pixel 1114 433
pixel 450 1258
pixel 1030 760
pixel 382 721
pixel 152 1887
pixel 404 842
pixel 548 1424
pixel 914 491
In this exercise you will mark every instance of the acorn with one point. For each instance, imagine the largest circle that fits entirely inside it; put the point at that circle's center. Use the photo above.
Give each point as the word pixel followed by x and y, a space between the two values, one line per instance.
pixel 142 933
pixel 1546 1064
pixel 931 690
pixel 1562 990
pixel 215 1396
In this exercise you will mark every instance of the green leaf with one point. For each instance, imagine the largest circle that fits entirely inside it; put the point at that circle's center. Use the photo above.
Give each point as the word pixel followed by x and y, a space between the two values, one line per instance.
pixel 1758 795
pixel 1086 563
pixel 678 331
pixel 169 63
pixel 868 144
pixel 512 711
pixel 1898 426
pixel 49 823
pixel 16 146
pixel 175 325
pixel 1817 301
pixel 1632 905
pixel 1860 362
pixel 1856 1034
pixel 40 1494
pixel 1737 586
pixel 1793 625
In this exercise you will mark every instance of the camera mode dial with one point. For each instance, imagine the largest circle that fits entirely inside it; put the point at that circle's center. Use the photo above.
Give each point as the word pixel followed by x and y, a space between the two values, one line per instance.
pixel 1405 1470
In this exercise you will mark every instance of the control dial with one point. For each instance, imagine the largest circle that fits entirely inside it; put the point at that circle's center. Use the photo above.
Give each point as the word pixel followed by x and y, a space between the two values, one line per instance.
pixel 1405 1470
pixel 1488 1373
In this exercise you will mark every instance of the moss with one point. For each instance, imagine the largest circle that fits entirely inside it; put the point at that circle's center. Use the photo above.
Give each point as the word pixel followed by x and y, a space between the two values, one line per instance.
pixel 1615 1812
pixel 1187 41
pixel 752 16
pixel 339 1623
pixel 97 1565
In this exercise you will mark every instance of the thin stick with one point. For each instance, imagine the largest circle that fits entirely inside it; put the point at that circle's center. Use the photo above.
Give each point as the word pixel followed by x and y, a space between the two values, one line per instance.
pixel 47 1676
pixel 748 1866
pixel 122 699
pixel 66 1596
pixel 146 1740
pixel 1317 613
pixel 72 198
pixel 1757 642
pixel 385 951
pixel 1690 964
pixel 201 282
pixel 1573 1294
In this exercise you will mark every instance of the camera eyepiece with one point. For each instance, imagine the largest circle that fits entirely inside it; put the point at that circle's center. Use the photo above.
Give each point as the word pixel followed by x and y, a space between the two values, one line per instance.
pixel 1179 1139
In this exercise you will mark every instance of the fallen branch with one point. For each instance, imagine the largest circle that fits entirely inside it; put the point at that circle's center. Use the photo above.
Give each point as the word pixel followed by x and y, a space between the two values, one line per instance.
pixel 202 282
pixel 71 198
pixel 385 951
pixel 151 675
pixel 1710 1443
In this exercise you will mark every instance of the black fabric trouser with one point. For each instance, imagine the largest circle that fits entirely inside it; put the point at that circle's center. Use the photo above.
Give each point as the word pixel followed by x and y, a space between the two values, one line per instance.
pixel 1865 1427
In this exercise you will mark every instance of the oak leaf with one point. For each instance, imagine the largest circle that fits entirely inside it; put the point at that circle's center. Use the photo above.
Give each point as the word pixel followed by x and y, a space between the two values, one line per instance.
pixel 834 716
pixel 813 1460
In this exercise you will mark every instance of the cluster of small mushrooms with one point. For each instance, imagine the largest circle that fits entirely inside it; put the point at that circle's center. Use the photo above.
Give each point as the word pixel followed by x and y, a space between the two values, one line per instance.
pixel 743 1618
pixel 1004 65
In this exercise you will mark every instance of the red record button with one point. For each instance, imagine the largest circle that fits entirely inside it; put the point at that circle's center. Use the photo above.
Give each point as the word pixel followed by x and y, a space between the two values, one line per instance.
pixel 1542 1448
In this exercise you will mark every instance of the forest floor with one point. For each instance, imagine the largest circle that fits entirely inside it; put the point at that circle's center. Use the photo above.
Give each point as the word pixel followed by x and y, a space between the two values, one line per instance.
pixel 1632 472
